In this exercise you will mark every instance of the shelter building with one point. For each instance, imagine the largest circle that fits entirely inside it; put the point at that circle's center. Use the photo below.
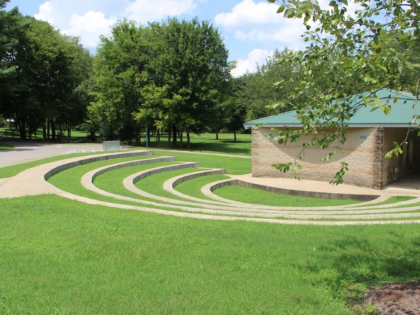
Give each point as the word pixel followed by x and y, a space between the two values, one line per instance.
pixel 370 136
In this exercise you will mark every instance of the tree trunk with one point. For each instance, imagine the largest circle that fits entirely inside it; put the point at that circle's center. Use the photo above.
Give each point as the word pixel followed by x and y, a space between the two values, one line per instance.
pixel 44 132
pixel 22 128
pixel 53 135
pixel 30 132
pixel 169 137
pixel 188 140
pixel 148 137
pixel 158 137
pixel 48 129
pixel 136 133
pixel 174 137
pixel 234 136
pixel 180 140
pixel 69 132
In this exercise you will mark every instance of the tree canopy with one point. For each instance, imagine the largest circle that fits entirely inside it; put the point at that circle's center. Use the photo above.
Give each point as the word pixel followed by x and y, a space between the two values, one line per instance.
pixel 167 76
pixel 40 71
pixel 377 47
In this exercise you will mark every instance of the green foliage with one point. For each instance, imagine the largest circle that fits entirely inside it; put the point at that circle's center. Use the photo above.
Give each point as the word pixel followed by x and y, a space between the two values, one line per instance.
pixel 256 91
pixel 12 29
pixel 170 75
pixel 120 70
pixel 45 69
pixel 376 48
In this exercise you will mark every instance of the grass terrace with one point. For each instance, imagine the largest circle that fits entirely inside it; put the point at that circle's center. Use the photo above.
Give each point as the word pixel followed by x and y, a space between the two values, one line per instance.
pixel 62 256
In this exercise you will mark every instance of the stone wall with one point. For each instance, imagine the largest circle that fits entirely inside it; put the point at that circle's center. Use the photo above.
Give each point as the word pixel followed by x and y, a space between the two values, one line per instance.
pixel 363 151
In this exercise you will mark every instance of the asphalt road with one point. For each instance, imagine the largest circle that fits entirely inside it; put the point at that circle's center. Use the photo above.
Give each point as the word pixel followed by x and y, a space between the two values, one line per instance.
pixel 27 150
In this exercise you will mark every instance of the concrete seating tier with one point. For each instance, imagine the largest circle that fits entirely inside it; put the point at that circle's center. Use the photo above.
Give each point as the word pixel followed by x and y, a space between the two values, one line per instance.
pixel 216 209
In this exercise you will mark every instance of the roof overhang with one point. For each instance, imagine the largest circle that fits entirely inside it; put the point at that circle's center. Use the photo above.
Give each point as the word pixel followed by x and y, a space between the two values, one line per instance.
pixel 350 126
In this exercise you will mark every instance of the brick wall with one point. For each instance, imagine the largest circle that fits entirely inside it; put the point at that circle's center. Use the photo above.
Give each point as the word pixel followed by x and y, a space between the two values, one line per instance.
pixel 363 154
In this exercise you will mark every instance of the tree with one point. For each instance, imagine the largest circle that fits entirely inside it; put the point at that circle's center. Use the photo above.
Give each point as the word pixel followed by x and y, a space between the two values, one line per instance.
pixel 191 74
pixel 12 30
pixel 257 90
pixel 121 72
pixel 377 48
pixel 236 109
pixel 47 67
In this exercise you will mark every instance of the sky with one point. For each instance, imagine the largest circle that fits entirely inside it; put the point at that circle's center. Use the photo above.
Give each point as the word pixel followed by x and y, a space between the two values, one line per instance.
pixel 251 29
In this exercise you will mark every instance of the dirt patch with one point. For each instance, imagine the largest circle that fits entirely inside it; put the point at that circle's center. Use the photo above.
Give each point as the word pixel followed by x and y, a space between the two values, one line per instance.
pixel 395 299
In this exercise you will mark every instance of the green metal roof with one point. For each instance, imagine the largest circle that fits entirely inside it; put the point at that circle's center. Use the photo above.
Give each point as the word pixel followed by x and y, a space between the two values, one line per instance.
pixel 400 116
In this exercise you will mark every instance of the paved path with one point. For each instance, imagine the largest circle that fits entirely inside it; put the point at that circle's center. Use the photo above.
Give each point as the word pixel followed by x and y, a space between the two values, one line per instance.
pixel 26 151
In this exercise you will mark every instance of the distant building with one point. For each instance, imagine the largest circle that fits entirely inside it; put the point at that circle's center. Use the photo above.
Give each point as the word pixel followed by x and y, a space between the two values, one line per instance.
pixel 369 137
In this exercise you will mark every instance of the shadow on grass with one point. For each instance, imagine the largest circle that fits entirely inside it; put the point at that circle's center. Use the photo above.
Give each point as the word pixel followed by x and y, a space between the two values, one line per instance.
pixel 349 266
pixel 221 146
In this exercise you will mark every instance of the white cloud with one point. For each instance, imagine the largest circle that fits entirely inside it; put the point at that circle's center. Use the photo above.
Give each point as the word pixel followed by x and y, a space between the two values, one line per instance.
pixel 260 22
pixel 250 64
pixel 89 27
pixel 91 18
pixel 248 12
pixel 152 10
pixel 253 21
pixel 45 13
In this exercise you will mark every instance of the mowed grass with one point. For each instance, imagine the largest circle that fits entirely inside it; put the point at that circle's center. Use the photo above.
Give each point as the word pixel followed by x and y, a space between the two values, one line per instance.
pixel 256 196
pixel 233 165
pixel 70 179
pixel 207 142
pixel 75 135
pixel 64 257
pixel 153 184
pixel 5 146
pixel 193 187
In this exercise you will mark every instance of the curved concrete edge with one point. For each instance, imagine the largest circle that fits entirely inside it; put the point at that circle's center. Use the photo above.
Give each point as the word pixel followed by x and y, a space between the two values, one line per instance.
pixel 208 191
pixel 129 181
pixel 311 194
pixel 228 218
pixel 87 183
pixel 90 176
pixel 32 181
pixel 170 184
pixel 395 204
pixel 66 166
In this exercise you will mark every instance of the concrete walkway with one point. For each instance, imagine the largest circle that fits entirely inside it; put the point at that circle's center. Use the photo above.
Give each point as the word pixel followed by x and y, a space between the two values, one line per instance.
pixel 32 182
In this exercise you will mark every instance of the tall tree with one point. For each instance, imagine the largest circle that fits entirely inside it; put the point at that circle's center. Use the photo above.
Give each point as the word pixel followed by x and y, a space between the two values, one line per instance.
pixel 376 48
pixel 12 33
pixel 257 90
pixel 120 69
pixel 191 73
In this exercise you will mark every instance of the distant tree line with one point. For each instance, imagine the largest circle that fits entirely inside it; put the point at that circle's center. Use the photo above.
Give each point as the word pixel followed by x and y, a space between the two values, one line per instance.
pixel 39 75
pixel 171 77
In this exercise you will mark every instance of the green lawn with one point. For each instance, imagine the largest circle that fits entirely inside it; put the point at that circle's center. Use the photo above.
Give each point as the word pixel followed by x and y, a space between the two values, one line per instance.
pixel 5 146
pixel 75 135
pixel 207 142
pixel 64 257
pixel 192 187
pixel 60 256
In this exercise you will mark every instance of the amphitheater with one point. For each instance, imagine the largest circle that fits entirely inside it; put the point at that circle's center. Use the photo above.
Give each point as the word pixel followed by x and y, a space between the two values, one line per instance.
pixel 372 207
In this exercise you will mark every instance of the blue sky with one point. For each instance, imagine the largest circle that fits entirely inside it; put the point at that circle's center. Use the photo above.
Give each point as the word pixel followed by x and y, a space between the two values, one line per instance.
pixel 251 28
